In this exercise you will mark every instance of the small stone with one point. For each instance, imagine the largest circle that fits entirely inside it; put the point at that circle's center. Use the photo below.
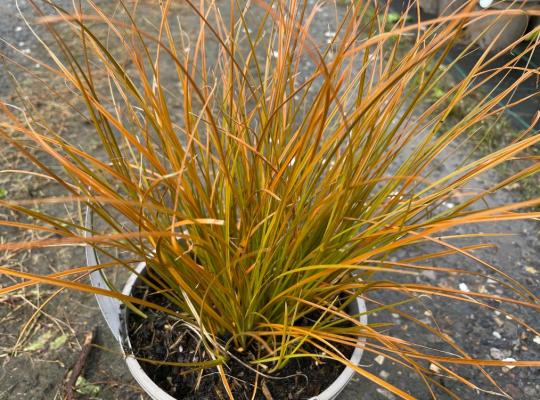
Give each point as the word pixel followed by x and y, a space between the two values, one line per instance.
pixel 531 270
pixel 530 391
pixel 379 359
pixel 383 374
pixel 430 274
pixel 513 391
pixel 536 339
pixel 508 367
pixel 18 28
pixel 329 34
pixel 428 313
pixel 386 394
pixel 435 368
pixel 497 335
pixel 498 321
pixel 463 287
pixel 395 315
pixel 498 354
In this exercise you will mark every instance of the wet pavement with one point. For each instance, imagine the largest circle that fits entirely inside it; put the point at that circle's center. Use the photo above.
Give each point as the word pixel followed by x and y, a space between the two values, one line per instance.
pixel 521 116
pixel 38 371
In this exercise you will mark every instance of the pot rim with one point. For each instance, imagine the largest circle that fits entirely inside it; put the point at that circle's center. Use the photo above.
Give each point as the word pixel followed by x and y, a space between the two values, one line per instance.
pixel 157 393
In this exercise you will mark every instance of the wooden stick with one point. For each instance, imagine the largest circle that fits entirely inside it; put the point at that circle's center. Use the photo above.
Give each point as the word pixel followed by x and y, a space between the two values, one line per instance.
pixel 79 365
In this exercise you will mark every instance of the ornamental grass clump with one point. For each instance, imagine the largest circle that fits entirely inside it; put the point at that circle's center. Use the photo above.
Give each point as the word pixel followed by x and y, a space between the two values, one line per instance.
pixel 268 174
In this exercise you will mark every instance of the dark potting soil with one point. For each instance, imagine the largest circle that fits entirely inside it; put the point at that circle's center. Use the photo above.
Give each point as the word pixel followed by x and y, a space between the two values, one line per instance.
pixel 164 338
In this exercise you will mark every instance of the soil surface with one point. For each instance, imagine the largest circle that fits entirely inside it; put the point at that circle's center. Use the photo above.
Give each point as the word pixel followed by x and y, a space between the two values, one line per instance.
pixel 41 329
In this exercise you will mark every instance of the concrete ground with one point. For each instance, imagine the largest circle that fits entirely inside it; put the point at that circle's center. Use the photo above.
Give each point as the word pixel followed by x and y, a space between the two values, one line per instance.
pixel 35 356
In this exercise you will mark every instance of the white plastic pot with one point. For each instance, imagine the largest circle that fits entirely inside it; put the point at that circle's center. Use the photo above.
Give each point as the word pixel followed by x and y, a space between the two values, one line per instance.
pixel 114 316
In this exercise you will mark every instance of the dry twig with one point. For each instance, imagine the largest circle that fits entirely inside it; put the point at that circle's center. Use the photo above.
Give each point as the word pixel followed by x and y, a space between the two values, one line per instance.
pixel 79 365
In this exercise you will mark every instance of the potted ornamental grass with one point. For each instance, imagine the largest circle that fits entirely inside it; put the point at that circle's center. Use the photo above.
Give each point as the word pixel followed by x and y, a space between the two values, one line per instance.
pixel 256 182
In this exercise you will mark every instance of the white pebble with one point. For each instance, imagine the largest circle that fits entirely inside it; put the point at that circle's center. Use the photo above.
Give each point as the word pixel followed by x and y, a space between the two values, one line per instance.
pixel 379 359
pixel 430 275
pixel 329 34
pixel 497 354
pixel 536 339
pixel 463 287
pixel 384 374
pixel 509 359
pixel 18 28
pixel 386 394
pixel 434 368
pixel 497 335
pixel 531 270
